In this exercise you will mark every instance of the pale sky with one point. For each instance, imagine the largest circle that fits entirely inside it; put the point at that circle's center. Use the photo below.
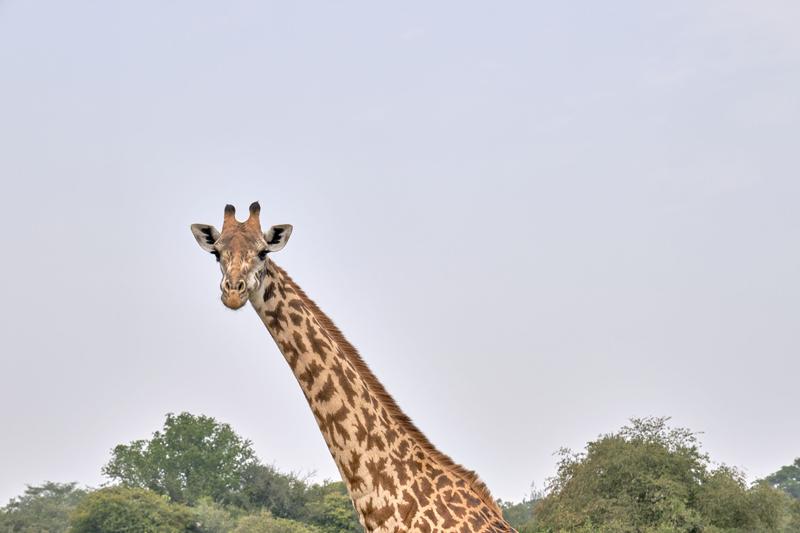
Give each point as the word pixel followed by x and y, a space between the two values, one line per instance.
pixel 535 220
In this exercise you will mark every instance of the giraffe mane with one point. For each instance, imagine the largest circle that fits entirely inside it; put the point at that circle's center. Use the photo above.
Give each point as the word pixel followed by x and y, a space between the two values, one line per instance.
pixel 376 387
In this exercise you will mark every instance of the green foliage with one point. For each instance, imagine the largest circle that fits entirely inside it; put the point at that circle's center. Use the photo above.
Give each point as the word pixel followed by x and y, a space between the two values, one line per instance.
pixel 324 508
pixel 264 522
pixel 124 509
pixel 326 505
pixel 212 517
pixel 197 475
pixel 41 508
pixel 284 495
pixel 793 520
pixel 519 515
pixel 722 498
pixel 193 457
pixel 651 478
pixel 197 461
pixel 637 477
pixel 768 510
pixel 787 479
pixel 329 507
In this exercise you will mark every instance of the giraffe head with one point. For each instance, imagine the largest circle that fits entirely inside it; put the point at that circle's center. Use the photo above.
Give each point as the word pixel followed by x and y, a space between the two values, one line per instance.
pixel 241 249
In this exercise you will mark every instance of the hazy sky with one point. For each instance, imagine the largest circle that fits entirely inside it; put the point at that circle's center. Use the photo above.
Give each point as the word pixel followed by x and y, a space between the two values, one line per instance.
pixel 534 220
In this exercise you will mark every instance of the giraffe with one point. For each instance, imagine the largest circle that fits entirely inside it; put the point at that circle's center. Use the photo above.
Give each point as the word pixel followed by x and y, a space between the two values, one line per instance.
pixel 397 480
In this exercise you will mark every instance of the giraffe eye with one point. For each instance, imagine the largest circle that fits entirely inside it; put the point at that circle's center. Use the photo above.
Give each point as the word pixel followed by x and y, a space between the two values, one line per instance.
pixel 216 254
pixel 262 254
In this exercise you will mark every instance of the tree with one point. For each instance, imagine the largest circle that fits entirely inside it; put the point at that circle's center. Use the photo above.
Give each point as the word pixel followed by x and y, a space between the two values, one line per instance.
pixel 520 515
pixel 787 479
pixel 264 522
pixel 723 498
pixel 329 507
pixel 651 478
pixel 123 509
pixel 192 457
pixel 326 505
pixel 44 507
pixel 284 495
pixel 212 517
pixel 769 510
pixel 794 517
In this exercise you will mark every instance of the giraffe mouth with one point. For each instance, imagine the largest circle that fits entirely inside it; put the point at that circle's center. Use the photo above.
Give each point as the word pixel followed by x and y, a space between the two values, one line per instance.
pixel 233 301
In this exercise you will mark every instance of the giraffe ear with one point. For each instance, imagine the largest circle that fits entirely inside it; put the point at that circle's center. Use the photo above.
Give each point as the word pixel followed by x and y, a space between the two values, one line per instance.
pixel 206 236
pixel 277 236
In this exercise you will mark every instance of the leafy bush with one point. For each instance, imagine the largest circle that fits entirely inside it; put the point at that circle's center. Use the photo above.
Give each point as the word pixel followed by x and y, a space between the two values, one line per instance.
pixel 124 509
pixel 264 522
pixel 651 478
pixel 43 507
pixel 520 515
pixel 264 486
pixel 329 507
pixel 325 505
pixel 212 517
pixel 787 479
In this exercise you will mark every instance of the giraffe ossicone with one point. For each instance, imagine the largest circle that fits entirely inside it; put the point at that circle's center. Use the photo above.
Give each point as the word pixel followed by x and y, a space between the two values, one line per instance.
pixel 398 481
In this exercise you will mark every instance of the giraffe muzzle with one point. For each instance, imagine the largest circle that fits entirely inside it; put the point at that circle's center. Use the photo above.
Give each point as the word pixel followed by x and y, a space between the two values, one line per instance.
pixel 234 293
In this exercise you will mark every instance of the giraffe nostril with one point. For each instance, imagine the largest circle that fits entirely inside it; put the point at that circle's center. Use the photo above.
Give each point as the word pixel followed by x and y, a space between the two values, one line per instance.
pixel 229 286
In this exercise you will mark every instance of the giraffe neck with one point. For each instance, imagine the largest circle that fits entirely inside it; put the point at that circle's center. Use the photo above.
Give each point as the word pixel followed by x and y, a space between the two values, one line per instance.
pixel 397 480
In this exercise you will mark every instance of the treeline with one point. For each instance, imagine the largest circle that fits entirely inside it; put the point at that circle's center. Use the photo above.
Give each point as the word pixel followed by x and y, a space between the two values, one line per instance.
pixel 194 475
pixel 197 475
pixel 651 478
